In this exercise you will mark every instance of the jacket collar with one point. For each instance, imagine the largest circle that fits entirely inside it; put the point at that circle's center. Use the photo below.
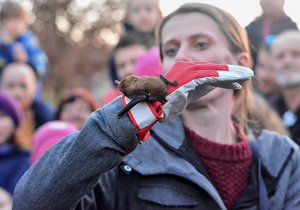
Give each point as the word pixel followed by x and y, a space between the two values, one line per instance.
pixel 152 158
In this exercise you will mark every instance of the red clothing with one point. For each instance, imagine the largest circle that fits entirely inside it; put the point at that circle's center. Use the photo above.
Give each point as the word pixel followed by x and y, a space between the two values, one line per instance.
pixel 111 95
pixel 227 164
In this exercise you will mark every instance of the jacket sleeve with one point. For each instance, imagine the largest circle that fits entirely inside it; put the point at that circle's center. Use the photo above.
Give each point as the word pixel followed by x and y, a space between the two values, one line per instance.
pixel 37 57
pixel 71 168
pixel 292 197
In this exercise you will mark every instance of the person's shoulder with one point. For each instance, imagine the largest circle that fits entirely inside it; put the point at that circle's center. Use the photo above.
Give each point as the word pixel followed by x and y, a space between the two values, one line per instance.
pixel 257 20
pixel 20 155
pixel 111 95
pixel 273 141
pixel 276 149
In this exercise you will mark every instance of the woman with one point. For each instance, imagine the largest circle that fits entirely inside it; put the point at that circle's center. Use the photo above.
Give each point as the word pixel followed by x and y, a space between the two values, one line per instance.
pixel 76 107
pixel 175 167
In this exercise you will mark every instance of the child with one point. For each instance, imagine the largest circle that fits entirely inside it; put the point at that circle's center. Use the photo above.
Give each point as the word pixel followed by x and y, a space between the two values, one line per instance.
pixel 149 63
pixel 143 16
pixel 13 161
pixel 18 43
pixel 48 135
pixel 122 63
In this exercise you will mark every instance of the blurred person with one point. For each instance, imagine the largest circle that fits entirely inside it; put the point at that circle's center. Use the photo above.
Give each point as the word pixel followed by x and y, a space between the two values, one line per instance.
pixel 47 135
pixel 76 106
pixel 148 64
pixel 18 43
pixel 143 17
pixel 264 117
pixel 19 81
pixel 197 158
pixel 123 58
pixel 5 200
pixel 285 53
pixel 272 21
pixel 265 83
pixel 13 160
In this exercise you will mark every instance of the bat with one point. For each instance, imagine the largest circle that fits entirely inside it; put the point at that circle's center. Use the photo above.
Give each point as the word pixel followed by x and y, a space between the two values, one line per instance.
pixel 146 88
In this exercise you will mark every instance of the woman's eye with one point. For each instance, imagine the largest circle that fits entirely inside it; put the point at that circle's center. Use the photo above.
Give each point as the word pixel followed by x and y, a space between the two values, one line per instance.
pixel 171 52
pixel 135 10
pixel 202 45
pixel 149 9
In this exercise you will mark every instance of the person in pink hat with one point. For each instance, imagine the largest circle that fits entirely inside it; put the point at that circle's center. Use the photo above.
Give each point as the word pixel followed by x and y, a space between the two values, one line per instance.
pixel 149 63
pixel 47 135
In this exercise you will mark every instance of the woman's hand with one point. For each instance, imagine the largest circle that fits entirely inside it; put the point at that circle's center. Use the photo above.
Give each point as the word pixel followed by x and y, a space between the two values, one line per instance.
pixel 185 83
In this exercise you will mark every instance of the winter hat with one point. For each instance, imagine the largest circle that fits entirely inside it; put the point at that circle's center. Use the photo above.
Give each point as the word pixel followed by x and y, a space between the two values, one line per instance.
pixel 11 107
pixel 47 135
pixel 149 63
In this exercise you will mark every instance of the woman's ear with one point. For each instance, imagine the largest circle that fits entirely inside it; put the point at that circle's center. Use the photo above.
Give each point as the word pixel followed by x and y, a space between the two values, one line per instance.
pixel 243 59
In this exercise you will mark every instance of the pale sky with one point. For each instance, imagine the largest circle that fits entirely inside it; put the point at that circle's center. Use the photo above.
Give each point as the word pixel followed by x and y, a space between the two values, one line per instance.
pixel 243 10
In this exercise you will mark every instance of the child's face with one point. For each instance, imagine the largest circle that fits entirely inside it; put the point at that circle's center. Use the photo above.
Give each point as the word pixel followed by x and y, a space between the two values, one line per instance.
pixel 6 128
pixel 14 26
pixel 143 15
pixel 125 59
pixel 19 82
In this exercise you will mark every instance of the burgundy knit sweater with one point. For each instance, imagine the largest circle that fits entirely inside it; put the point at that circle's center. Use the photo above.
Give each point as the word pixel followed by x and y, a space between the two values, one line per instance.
pixel 227 164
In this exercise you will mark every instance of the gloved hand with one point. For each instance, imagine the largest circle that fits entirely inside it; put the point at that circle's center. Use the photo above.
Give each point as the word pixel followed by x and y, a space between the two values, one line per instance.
pixel 185 83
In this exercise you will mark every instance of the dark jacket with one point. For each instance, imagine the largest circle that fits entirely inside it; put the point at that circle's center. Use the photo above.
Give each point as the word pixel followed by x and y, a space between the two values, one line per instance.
pixel 13 164
pixel 93 169
pixel 43 112
pixel 293 125
pixel 278 25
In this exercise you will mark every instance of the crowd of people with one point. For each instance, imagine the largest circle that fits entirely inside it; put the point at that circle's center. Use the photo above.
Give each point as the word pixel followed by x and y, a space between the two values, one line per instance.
pixel 226 134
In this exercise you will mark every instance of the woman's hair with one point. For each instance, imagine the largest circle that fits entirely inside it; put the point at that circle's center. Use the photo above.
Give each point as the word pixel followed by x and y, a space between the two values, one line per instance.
pixel 236 37
pixel 13 9
pixel 258 120
pixel 77 93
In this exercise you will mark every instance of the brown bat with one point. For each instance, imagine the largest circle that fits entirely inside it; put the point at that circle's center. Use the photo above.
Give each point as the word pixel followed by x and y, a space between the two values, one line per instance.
pixel 146 88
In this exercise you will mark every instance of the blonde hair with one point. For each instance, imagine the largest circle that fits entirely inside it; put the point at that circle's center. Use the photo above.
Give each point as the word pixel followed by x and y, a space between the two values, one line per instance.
pixel 236 37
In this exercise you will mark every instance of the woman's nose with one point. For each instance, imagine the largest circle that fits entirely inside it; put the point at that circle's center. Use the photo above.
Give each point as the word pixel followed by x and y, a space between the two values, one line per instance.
pixel 183 54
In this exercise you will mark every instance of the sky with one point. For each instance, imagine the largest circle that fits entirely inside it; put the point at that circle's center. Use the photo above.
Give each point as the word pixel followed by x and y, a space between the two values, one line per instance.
pixel 243 10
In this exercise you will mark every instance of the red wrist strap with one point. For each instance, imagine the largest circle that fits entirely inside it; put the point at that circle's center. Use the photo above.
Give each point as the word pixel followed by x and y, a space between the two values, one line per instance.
pixel 151 114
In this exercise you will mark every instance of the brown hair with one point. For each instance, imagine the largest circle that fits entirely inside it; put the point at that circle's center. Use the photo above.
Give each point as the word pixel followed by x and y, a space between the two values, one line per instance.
pixel 13 9
pixel 236 37
pixel 77 93
pixel 258 120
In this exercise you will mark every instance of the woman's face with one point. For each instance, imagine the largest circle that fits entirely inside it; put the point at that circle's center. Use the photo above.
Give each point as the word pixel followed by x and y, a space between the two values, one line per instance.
pixel 196 37
pixel 6 128
pixel 75 112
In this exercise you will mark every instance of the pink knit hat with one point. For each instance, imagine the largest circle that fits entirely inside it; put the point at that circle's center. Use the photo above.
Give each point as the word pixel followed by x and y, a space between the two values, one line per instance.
pixel 149 63
pixel 47 135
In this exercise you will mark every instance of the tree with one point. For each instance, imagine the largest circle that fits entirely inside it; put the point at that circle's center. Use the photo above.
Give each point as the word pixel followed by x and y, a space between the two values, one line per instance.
pixel 77 36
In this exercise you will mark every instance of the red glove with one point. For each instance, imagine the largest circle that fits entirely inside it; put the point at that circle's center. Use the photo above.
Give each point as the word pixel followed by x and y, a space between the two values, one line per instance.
pixel 193 80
